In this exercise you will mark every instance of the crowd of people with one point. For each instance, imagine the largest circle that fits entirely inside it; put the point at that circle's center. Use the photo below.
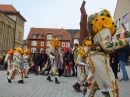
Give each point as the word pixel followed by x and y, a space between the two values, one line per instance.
pixel 120 59
pixel 39 64
pixel 22 62
pixel 95 64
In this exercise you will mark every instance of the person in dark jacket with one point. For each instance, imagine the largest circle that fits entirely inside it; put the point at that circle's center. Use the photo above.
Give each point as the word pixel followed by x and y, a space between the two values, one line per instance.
pixel 43 59
pixel 37 60
pixel 68 62
pixel 123 61
pixel 115 62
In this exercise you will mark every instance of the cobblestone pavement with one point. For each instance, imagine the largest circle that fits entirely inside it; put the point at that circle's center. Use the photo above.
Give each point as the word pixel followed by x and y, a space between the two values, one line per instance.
pixel 38 86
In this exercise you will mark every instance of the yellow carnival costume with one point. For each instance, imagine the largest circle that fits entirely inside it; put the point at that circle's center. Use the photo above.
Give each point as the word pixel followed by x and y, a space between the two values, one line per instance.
pixel 16 65
pixel 8 59
pixel 82 66
pixel 53 52
pixel 26 63
pixel 102 28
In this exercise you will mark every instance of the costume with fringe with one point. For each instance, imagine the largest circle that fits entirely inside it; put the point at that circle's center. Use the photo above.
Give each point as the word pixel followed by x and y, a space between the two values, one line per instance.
pixel 54 51
pixel 15 69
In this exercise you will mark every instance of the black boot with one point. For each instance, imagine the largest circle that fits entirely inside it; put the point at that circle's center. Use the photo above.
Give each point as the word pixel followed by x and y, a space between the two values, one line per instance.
pixel 106 94
pixel 79 90
pixel 85 88
pixel 56 81
pixel 7 73
pixel 49 79
pixel 26 76
pixel 20 81
pixel 73 74
pixel 76 74
pixel 9 81
pixel 75 86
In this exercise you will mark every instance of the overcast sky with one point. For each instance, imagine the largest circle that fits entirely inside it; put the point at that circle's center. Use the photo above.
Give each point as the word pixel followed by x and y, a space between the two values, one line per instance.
pixel 56 13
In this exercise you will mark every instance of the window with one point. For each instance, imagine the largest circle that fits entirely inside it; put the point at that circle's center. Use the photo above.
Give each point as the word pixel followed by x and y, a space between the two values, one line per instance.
pixel 34 36
pixel 63 44
pixel 49 37
pixel 39 36
pixel 34 43
pixel 48 43
pixel 33 50
pixel 76 41
pixel 42 43
pixel 118 24
pixel 59 36
pixel 67 44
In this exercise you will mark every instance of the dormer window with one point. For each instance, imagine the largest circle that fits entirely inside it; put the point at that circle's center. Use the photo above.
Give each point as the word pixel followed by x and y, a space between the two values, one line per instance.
pixel 59 36
pixel 34 36
pixel 49 37
pixel 39 36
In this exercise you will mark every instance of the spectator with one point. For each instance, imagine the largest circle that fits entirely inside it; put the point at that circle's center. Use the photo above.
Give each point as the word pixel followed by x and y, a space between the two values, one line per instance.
pixel 43 59
pixel 111 58
pixel 62 69
pixel 129 56
pixel 2 65
pixel 2 60
pixel 68 61
pixel 32 67
pixel 123 61
pixel 36 60
pixel 115 62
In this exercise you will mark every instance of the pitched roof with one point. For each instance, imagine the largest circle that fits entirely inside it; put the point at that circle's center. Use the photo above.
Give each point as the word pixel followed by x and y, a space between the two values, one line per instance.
pixel 72 31
pixel 77 35
pixel 7 8
pixel 65 35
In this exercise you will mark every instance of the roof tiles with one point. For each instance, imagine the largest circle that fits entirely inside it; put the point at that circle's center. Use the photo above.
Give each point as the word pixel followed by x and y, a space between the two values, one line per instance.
pixel 7 8
pixel 65 35
pixel 77 35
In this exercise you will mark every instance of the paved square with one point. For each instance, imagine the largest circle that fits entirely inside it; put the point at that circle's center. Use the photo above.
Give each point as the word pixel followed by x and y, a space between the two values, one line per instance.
pixel 38 86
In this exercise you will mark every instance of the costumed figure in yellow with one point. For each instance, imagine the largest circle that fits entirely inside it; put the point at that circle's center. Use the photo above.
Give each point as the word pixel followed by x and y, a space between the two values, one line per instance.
pixel 82 69
pixel 102 27
pixel 8 59
pixel 90 86
pixel 16 65
pixel 55 56
pixel 26 63
pixel 84 65
pixel 75 50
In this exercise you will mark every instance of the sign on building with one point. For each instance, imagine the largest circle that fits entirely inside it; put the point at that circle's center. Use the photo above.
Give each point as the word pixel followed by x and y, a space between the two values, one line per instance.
pixel 125 21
